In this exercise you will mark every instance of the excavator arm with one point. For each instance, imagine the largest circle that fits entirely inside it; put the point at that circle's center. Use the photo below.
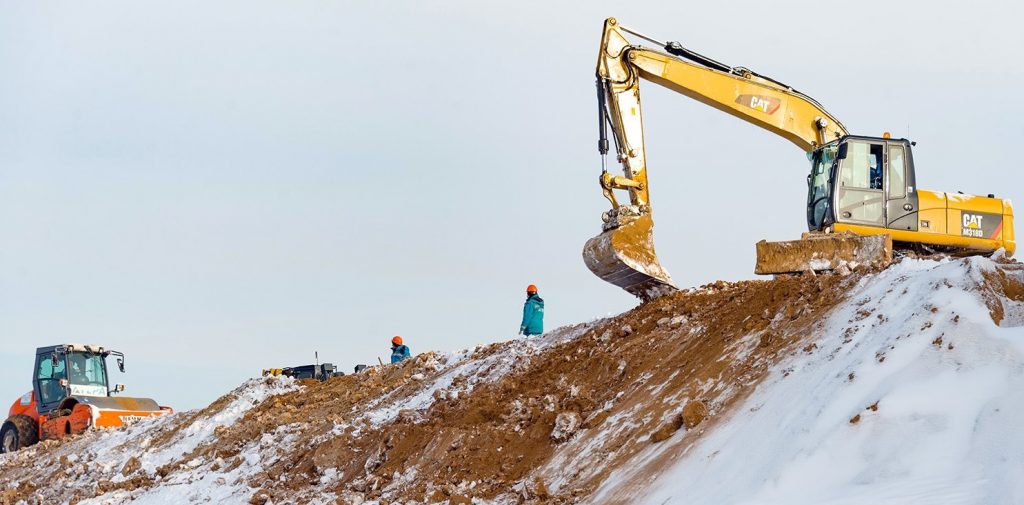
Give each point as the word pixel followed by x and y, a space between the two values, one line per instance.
pixel 624 253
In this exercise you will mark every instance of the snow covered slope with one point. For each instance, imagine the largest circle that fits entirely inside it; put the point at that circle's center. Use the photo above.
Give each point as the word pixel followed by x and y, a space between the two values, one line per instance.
pixel 912 395
pixel 901 386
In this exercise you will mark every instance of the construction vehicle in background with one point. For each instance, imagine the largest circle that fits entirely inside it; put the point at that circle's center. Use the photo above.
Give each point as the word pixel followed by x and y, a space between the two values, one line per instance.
pixel 71 393
pixel 862 194
pixel 320 372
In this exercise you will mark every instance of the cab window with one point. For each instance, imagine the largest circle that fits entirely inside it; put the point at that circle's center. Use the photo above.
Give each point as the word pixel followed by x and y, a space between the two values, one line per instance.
pixel 897 173
pixel 862 168
pixel 48 378
pixel 87 369
pixel 48 371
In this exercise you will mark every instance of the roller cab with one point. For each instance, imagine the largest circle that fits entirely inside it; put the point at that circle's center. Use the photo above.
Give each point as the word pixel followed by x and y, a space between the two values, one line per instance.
pixel 71 393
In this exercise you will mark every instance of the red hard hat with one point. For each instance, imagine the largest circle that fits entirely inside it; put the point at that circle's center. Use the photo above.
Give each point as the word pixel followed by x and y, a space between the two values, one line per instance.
pixel 531 289
pixel 397 340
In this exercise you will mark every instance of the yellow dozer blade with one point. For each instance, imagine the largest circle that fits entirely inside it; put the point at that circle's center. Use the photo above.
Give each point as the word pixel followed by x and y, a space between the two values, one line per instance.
pixel 818 251
pixel 624 256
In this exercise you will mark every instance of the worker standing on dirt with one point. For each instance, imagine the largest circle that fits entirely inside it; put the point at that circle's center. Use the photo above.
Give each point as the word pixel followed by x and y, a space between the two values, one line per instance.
pixel 533 313
pixel 399 351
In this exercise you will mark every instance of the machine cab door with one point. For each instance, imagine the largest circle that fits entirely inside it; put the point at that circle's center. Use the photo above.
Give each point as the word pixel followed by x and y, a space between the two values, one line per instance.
pixel 901 195
pixel 50 370
pixel 859 196
pixel 875 182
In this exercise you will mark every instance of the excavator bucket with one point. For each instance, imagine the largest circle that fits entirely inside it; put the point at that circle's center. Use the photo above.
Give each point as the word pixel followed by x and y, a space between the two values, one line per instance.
pixel 625 256
pixel 817 251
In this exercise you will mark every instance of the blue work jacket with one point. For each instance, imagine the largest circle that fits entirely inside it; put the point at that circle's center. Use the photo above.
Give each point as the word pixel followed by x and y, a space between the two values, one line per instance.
pixel 399 352
pixel 533 316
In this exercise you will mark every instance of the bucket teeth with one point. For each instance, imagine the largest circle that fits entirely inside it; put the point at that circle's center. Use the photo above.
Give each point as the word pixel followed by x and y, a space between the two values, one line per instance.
pixel 625 257
pixel 819 251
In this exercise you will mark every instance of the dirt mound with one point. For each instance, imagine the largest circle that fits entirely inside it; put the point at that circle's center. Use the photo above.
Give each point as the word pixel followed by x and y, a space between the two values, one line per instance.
pixel 490 422
pixel 624 377
pixel 543 420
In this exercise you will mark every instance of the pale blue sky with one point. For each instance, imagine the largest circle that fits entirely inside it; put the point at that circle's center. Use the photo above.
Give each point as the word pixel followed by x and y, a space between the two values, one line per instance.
pixel 219 187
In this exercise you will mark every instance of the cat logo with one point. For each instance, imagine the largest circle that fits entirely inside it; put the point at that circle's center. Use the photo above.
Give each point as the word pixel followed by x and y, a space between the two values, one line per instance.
pixel 766 104
pixel 978 225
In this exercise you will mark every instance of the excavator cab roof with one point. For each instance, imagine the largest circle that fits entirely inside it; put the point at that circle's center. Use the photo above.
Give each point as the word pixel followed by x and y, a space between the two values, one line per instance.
pixel 845 139
pixel 870 138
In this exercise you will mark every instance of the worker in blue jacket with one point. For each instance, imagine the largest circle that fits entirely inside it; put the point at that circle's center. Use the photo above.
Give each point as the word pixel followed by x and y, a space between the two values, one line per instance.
pixel 399 351
pixel 533 313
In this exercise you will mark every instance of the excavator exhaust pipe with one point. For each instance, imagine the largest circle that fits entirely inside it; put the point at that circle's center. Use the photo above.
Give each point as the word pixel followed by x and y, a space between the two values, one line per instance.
pixel 624 256
pixel 816 252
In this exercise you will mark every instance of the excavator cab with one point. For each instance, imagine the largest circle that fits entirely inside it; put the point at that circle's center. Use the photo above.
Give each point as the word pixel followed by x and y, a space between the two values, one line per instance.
pixel 864 181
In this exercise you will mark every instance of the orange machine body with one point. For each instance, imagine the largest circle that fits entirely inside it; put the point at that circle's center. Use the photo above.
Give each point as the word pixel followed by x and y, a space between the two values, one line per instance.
pixel 79 413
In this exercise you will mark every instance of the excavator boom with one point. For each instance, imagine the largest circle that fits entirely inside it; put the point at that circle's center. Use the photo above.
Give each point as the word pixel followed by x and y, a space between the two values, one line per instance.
pixel 862 193
pixel 623 254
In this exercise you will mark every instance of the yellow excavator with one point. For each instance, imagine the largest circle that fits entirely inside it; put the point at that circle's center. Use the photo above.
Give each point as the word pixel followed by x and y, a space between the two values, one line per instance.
pixel 862 194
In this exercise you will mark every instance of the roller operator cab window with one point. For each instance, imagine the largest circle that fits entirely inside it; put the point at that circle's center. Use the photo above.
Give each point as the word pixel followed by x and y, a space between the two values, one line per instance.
pixel 48 378
pixel 87 369
pixel 88 374
pixel 48 371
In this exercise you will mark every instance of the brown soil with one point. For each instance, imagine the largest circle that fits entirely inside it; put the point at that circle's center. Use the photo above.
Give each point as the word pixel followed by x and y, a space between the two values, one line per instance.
pixel 483 444
pixel 693 414
pixel 1004 283
pixel 665 372
pixel 654 373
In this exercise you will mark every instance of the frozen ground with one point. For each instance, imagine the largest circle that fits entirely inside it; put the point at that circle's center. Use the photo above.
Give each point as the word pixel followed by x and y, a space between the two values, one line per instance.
pixel 901 388
pixel 913 395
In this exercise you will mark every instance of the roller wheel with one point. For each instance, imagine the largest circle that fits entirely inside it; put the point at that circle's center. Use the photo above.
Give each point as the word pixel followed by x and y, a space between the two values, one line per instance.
pixel 17 432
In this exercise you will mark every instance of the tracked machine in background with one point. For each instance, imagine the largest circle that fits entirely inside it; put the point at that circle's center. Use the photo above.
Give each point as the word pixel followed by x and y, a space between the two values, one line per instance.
pixel 862 194
pixel 70 394
pixel 320 372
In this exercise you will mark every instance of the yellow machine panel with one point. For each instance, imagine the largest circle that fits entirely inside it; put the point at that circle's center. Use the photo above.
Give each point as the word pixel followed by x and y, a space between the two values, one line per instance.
pixel 932 213
pixel 954 220
pixel 975 216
